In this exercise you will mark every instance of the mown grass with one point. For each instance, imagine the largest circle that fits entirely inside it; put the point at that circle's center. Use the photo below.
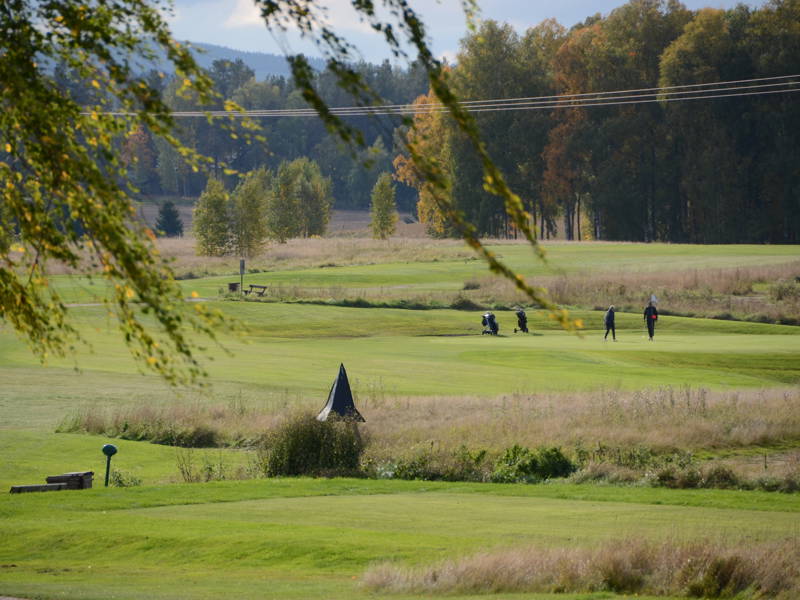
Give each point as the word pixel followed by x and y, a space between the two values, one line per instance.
pixel 314 538
pixel 396 352
pixel 30 456
pixel 406 267
pixel 432 375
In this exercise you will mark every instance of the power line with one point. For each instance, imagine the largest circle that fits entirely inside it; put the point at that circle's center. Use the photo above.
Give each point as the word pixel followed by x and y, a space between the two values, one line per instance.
pixel 701 91
pixel 519 104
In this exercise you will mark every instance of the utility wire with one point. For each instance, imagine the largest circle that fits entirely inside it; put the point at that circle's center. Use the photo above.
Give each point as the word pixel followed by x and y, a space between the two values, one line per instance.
pixel 754 87
pixel 517 104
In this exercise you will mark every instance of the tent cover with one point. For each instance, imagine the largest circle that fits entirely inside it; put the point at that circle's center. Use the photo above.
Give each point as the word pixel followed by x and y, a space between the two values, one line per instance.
pixel 340 400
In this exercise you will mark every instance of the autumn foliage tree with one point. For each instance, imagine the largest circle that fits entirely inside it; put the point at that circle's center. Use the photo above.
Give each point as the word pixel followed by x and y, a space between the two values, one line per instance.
pixel 383 211
pixel 429 137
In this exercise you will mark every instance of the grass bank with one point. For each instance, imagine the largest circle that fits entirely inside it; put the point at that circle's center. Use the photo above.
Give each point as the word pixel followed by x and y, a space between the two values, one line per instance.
pixel 300 538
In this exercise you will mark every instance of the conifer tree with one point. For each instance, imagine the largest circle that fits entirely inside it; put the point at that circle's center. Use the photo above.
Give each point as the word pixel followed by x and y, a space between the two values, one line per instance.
pixel 169 223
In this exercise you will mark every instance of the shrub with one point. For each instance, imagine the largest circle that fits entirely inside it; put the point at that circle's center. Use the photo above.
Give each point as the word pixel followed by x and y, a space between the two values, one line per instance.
pixel 597 472
pixel 207 470
pixel 417 467
pixel 688 478
pixel 720 476
pixel 123 479
pixel 785 290
pixel 461 302
pixel 520 464
pixel 665 477
pixel 724 578
pixel 304 446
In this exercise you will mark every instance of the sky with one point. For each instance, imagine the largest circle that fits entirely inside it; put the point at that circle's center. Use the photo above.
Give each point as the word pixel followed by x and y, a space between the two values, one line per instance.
pixel 237 23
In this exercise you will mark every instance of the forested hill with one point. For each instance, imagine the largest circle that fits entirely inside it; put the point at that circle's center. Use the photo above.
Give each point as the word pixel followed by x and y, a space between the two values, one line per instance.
pixel 723 168
pixel 263 64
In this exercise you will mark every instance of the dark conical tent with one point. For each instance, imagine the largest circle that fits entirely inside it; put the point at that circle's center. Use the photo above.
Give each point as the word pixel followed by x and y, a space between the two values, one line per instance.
pixel 340 400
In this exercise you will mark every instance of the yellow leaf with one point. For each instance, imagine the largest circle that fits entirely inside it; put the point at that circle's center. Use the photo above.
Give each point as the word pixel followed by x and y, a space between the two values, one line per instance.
pixel 95 84
pixel 8 148
pixel 129 293
pixel 195 294
pixel 151 360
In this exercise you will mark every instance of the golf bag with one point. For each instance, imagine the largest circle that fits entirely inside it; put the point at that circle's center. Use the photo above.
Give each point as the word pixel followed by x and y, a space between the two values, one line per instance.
pixel 490 324
pixel 522 322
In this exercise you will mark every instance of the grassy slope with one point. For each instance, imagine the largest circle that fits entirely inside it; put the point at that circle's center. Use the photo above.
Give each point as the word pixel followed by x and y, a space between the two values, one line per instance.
pixel 281 538
pixel 298 348
pixel 450 274
pixel 313 538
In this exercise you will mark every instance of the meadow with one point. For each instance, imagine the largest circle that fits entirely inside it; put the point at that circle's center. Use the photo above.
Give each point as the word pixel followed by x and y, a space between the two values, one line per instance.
pixel 426 381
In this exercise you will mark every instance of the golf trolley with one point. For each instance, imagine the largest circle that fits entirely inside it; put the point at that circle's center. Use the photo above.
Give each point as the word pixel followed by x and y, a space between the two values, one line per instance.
pixel 522 321
pixel 490 325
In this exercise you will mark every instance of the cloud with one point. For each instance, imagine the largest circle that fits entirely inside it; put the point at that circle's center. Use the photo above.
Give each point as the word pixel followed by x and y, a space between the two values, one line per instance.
pixel 244 14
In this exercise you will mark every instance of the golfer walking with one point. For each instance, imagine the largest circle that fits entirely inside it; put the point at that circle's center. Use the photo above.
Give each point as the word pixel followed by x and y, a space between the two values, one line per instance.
pixel 650 318
pixel 609 321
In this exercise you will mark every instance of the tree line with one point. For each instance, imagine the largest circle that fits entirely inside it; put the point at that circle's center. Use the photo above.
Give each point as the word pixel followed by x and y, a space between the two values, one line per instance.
pixel 708 171
pixel 156 168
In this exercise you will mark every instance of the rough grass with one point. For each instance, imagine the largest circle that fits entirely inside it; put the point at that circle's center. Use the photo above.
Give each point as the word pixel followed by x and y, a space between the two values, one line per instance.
pixel 655 436
pixel 662 418
pixel 313 253
pixel 697 569
pixel 756 283
pixel 722 293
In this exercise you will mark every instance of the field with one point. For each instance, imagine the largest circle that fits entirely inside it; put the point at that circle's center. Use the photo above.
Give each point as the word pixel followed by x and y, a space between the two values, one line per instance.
pixel 722 389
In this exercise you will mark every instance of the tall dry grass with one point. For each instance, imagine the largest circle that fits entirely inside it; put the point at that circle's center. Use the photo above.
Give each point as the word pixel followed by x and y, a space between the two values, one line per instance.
pixel 704 569
pixel 663 419
pixel 313 253
pixel 718 293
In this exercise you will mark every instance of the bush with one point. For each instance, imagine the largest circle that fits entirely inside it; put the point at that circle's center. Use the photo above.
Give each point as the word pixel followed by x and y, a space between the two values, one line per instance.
pixel 520 464
pixel 784 290
pixel 599 472
pixel 461 464
pixel 123 479
pixel 721 477
pixel 724 578
pixel 461 302
pixel 304 446
pixel 417 467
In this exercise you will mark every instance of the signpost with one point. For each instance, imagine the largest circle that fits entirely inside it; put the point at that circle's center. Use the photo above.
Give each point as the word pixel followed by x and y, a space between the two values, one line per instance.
pixel 109 450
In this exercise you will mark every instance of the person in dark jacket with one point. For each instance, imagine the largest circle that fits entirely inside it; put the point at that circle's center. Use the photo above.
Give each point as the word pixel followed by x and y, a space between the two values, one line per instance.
pixel 650 317
pixel 609 321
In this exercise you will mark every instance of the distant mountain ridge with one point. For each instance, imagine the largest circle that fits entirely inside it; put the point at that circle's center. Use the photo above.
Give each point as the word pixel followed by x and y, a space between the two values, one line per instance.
pixel 264 64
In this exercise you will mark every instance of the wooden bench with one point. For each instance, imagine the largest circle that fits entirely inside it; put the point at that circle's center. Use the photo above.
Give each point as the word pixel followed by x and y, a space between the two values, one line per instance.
pixel 258 290
pixel 78 480
pixel 44 487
